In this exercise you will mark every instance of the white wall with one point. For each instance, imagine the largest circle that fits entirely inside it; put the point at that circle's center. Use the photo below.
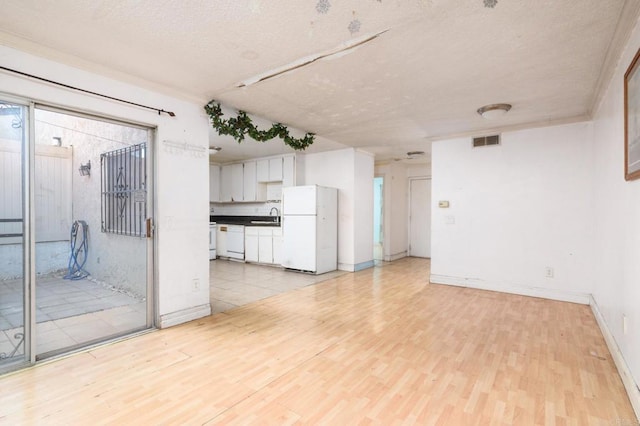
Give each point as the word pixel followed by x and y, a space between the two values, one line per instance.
pixel 516 209
pixel 182 177
pixel 617 222
pixel 418 170
pixel 351 172
pixel 363 210
pixel 51 256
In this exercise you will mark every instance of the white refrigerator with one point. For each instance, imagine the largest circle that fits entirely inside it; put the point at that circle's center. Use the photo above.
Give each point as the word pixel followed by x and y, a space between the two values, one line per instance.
pixel 310 228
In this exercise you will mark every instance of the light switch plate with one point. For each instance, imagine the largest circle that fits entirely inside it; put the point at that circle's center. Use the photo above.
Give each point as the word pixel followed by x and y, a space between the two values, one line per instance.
pixel 443 204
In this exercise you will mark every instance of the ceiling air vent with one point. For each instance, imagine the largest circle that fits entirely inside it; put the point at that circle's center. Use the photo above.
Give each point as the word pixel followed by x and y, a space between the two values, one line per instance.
pixel 486 141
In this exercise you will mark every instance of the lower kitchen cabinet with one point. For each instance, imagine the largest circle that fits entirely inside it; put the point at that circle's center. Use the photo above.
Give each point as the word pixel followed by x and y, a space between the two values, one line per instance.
pixel 263 244
pixel 251 244
pixel 277 246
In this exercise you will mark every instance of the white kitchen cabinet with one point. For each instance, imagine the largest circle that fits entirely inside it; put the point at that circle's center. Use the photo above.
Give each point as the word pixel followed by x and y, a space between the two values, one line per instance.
pixel 277 246
pixel 275 169
pixel 226 178
pixel 262 170
pixel 249 192
pixel 214 182
pixel 265 245
pixel 237 182
pixel 288 171
pixel 251 235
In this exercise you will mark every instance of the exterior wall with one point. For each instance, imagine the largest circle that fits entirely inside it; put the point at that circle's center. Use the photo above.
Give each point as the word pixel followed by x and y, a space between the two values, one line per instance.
pixel 50 257
pixel 113 259
pixel 53 207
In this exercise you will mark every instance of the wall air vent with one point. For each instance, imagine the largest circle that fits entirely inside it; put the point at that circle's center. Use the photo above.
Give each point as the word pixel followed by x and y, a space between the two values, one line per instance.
pixel 486 141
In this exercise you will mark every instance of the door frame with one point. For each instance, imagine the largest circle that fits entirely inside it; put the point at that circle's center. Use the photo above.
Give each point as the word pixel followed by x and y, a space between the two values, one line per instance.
pixel 383 222
pixel 28 213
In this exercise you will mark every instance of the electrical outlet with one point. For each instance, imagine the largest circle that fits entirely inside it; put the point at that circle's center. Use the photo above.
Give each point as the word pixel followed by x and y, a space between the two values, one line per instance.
pixel 548 272
pixel 195 285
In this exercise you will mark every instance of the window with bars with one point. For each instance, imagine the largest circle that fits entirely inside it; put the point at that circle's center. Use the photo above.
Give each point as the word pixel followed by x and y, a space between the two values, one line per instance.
pixel 124 191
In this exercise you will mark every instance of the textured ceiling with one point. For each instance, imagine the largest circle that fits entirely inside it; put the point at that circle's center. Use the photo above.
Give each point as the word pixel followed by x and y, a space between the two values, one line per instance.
pixel 423 78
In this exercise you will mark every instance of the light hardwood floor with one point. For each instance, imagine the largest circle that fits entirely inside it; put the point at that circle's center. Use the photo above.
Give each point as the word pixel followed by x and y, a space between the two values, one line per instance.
pixel 381 346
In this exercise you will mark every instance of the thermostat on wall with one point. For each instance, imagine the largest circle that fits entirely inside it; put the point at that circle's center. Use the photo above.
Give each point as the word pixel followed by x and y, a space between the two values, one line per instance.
pixel 443 204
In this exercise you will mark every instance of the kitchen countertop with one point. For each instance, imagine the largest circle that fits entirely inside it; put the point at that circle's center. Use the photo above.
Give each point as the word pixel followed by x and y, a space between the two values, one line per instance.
pixel 246 220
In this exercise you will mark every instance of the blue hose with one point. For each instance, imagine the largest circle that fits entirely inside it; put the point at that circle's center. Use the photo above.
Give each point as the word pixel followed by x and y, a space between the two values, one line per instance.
pixel 78 251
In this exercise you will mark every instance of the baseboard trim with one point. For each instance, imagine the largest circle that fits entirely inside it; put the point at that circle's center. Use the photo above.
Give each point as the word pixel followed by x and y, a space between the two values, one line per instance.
pixel 185 315
pixel 545 293
pixel 363 265
pixel 396 256
pixel 623 370
pixel 349 267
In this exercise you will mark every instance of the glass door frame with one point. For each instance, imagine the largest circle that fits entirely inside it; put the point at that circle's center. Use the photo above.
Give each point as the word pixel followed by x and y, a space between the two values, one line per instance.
pixel 28 144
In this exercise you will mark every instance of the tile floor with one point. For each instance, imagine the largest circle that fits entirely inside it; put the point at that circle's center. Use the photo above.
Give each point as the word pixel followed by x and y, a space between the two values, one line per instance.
pixel 68 313
pixel 234 284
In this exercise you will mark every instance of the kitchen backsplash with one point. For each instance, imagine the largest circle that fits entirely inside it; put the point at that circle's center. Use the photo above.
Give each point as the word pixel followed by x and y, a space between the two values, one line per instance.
pixel 243 209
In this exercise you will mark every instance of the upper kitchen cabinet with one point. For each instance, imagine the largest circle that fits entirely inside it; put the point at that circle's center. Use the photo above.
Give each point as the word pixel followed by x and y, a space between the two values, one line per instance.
pixel 249 181
pixel 214 182
pixel 225 182
pixel 262 170
pixel 269 170
pixel 237 182
pixel 253 180
pixel 288 171
pixel 275 169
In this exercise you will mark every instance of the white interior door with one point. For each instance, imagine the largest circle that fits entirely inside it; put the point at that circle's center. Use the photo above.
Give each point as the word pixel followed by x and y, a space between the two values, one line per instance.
pixel 420 217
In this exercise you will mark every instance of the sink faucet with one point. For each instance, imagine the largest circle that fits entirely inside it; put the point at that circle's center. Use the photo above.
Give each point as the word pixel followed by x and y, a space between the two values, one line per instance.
pixel 277 213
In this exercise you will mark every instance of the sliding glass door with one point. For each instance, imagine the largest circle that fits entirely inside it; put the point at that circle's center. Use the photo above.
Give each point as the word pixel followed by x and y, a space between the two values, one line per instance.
pixel 76 248
pixel 92 204
pixel 14 230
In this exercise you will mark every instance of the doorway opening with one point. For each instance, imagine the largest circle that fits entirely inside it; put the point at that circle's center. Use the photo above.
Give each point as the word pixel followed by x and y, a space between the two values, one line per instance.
pixel 378 218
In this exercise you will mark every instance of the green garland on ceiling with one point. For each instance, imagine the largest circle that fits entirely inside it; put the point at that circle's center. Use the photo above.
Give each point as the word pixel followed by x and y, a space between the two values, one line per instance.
pixel 241 125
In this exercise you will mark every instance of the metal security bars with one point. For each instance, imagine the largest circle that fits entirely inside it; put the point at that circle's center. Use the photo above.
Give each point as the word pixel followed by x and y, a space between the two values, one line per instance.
pixel 124 191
